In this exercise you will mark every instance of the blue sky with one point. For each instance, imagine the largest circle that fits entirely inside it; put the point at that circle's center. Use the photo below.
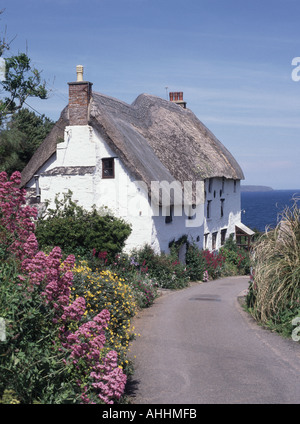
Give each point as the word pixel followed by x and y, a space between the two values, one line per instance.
pixel 231 58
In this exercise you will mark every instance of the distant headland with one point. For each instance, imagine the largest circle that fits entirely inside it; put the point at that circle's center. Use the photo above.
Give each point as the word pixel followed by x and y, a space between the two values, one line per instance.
pixel 255 188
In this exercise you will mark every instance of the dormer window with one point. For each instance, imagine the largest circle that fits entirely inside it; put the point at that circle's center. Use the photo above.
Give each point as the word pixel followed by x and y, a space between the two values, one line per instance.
pixel 108 168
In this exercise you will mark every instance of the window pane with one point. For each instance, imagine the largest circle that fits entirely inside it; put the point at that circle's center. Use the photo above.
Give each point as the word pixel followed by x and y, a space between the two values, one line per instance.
pixel 108 170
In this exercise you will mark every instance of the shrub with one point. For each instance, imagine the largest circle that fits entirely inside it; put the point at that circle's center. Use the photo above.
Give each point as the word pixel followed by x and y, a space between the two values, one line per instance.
pixel 274 293
pixel 105 290
pixel 195 262
pixel 165 269
pixel 236 260
pixel 144 264
pixel 213 263
pixel 78 231
pixel 145 289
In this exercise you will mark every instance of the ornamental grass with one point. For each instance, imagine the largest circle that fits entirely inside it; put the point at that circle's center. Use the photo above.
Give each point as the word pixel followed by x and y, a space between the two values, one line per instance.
pixel 274 295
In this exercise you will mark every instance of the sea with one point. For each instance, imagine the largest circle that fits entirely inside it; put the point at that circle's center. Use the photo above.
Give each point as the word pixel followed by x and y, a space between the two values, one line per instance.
pixel 261 210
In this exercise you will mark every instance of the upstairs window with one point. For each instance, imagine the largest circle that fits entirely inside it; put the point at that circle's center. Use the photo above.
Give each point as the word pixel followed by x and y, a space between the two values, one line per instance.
pixel 222 207
pixel 208 209
pixel 108 168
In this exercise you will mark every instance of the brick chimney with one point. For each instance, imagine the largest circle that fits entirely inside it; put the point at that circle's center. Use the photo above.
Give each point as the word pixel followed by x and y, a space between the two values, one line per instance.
pixel 80 93
pixel 177 97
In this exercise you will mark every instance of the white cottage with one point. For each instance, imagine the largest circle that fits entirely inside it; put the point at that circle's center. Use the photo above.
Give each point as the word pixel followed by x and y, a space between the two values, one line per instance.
pixel 152 163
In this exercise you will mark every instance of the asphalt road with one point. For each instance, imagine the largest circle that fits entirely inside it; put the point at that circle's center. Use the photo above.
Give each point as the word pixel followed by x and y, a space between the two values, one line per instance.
pixel 198 346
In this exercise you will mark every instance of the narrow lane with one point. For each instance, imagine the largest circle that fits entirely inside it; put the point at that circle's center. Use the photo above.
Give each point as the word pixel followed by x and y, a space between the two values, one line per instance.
pixel 199 346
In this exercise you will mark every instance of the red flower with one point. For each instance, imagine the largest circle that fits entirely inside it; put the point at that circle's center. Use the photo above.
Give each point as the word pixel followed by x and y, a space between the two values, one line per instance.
pixel 102 255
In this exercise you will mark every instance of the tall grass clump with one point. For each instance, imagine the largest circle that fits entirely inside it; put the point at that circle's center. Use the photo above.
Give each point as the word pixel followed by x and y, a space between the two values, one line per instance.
pixel 274 294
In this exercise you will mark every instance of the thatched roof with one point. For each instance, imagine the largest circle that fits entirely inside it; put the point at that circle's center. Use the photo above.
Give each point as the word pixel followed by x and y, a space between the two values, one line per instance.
pixel 156 140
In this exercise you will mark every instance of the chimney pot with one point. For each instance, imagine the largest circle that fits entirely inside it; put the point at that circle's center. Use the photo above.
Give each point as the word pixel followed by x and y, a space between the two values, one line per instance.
pixel 177 97
pixel 79 71
pixel 80 93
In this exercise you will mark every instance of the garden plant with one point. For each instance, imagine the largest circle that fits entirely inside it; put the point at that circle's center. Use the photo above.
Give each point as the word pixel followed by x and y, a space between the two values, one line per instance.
pixel 274 292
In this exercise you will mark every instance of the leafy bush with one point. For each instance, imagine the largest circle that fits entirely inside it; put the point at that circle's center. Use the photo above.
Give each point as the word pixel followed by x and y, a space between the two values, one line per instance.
pixel 236 260
pixel 130 271
pixel 145 289
pixel 151 269
pixel 274 293
pixel 78 231
pixel 214 262
pixel 165 269
pixel 195 262
pixel 105 290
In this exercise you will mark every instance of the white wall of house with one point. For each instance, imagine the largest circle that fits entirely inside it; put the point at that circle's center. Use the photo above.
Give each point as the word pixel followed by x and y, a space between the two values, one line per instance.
pixel 80 156
pixel 220 193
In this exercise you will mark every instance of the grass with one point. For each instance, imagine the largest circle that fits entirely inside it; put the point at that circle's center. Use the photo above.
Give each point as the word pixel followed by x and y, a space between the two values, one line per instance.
pixel 274 295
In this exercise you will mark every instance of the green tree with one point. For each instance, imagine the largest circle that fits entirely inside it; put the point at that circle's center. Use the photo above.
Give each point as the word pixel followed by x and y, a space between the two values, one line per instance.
pixel 21 138
pixel 20 81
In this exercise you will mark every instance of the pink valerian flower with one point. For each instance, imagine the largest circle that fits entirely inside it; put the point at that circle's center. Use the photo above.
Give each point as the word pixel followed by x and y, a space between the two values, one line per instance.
pixel 89 339
pixel 86 344
pixel 56 277
pixel 30 247
pixel 109 379
pixel 16 219
pixel 74 311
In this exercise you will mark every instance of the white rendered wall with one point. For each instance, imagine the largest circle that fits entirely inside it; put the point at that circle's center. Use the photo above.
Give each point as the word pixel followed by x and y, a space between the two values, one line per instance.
pixel 229 191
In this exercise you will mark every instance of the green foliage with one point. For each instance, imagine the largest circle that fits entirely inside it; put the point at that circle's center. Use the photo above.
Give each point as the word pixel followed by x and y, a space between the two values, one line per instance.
pixel 21 81
pixel 29 360
pixel 23 135
pixel 9 397
pixel 165 269
pixel 24 132
pixel 195 262
pixel 237 260
pixel 78 231
pixel 145 289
